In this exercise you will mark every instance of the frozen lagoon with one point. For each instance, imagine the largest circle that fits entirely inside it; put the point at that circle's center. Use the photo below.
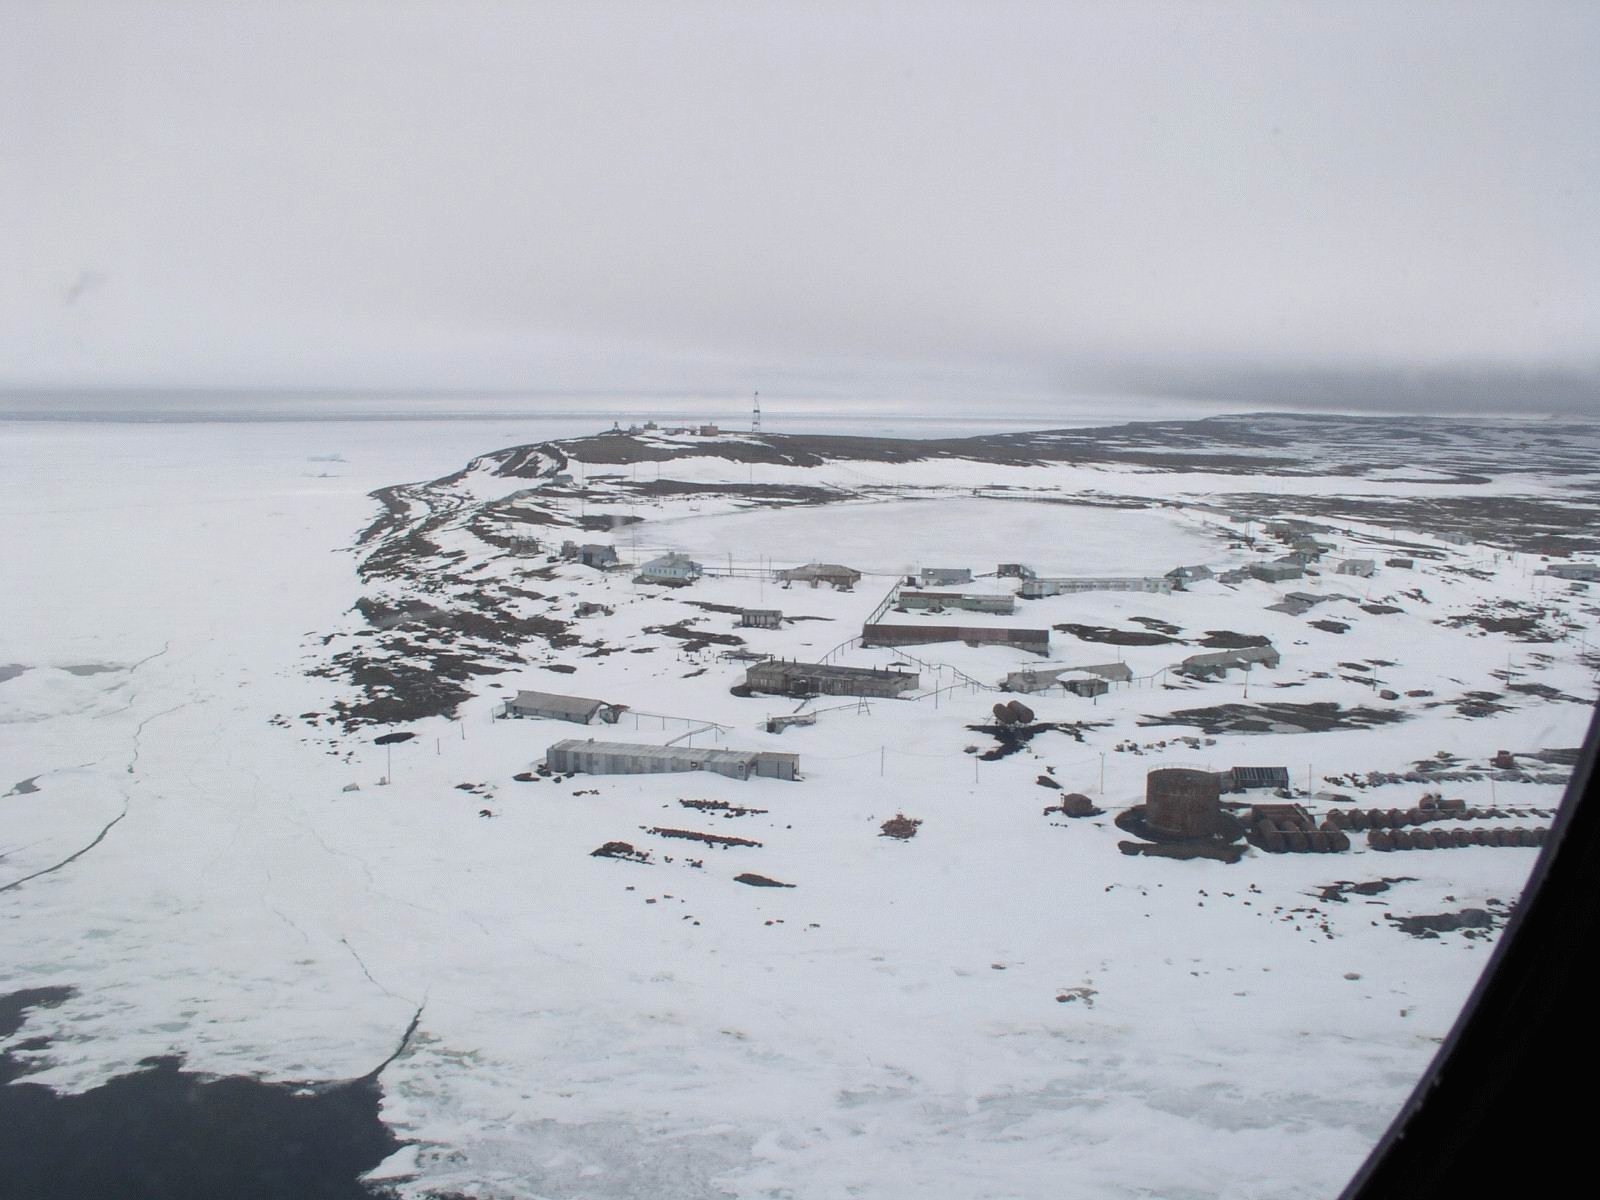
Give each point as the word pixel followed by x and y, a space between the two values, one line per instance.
pixel 896 536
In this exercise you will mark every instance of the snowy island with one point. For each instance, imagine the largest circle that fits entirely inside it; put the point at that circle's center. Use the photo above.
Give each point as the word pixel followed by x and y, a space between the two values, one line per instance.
pixel 688 813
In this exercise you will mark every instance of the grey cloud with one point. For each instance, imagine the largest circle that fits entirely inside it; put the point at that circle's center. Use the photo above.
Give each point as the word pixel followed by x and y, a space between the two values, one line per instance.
pixel 487 195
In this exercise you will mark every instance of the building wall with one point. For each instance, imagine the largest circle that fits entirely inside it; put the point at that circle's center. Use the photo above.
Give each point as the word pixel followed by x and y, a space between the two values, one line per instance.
pixel 1037 588
pixel 1003 605
pixel 551 714
pixel 784 679
pixel 1035 640
pixel 592 759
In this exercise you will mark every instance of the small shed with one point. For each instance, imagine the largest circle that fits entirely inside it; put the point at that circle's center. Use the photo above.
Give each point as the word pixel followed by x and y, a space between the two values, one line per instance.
pixel 555 707
pixel 1183 575
pixel 1014 571
pixel 945 576
pixel 1276 572
pixel 760 618
pixel 590 554
pixel 1403 563
pixel 1247 779
pixel 1362 567
pixel 1087 686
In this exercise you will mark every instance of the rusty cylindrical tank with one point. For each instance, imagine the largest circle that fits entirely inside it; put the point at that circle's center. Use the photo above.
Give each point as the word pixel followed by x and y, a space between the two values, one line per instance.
pixel 1183 802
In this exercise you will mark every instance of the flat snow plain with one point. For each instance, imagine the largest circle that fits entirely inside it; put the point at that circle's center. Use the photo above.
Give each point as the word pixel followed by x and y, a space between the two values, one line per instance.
pixel 1004 1006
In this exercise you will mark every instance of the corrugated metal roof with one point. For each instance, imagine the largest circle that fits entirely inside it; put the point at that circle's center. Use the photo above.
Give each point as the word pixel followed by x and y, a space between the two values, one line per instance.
pixel 1259 777
pixel 820 569
pixel 574 706
pixel 830 671
pixel 1222 658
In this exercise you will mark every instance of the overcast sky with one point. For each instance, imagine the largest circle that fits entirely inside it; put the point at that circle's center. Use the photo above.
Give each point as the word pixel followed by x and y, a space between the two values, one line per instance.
pixel 1371 203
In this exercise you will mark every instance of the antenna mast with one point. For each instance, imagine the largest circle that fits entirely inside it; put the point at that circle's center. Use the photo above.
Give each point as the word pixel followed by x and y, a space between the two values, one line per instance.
pixel 755 415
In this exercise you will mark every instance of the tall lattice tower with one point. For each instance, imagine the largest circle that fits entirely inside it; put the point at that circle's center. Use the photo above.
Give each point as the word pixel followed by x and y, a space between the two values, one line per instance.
pixel 755 415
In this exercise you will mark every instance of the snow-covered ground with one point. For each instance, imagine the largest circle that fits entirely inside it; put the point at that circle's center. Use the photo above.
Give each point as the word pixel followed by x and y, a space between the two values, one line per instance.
pixel 1003 1006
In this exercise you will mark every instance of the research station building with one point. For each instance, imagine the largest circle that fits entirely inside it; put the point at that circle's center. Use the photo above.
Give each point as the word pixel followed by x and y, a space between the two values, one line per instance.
pixel 626 758
pixel 780 678
pixel 562 708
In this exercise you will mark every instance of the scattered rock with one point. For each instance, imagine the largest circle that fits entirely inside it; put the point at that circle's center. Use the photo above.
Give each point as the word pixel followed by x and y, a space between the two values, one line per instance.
pixel 900 826
pixel 620 850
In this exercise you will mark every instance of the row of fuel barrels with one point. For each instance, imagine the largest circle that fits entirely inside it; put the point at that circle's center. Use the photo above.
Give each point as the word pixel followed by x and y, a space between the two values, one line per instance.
pixel 1445 839
pixel 1360 819
pixel 1298 837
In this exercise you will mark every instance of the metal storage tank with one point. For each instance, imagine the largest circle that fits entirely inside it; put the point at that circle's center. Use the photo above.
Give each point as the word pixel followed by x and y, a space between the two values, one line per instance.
pixel 1183 802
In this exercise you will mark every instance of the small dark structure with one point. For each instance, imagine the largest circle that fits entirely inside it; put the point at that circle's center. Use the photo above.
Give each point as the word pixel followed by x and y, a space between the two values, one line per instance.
pixel 1014 571
pixel 1183 802
pixel 1013 712
pixel 1295 603
pixel 524 546
pixel 1277 571
pixel 1076 804
pixel 777 677
pixel 842 578
pixel 1183 575
pixel 562 708
pixel 1362 567
pixel 1088 687
pixel 623 758
pixel 945 576
pixel 760 618
pixel 1246 779
pixel 1405 564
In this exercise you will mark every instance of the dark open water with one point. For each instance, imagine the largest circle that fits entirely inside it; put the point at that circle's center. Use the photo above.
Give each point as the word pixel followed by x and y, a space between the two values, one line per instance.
pixel 163 1133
